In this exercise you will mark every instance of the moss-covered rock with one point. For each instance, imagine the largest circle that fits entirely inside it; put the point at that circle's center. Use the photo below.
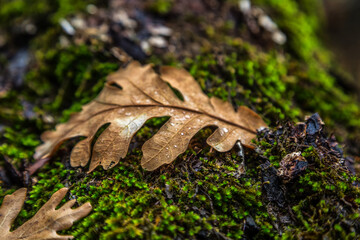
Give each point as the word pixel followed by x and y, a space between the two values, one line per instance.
pixel 203 194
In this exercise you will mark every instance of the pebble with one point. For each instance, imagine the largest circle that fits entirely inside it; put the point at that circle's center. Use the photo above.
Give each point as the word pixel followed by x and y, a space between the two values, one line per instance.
pixel 158 41
pixel 145 46
pixel 267 23
pixel 91 8
pixel 78 23
pixel 245 6
pixel 122 17
pixel 160 30
pixel 279 37
pixel 67 27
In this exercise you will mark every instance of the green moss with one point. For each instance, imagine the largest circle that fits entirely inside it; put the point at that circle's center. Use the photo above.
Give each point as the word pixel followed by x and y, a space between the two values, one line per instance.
pixel 317 196
pixel 204 200
pixel 66 79
pixel 275 87
pixel 11 108
pixel 160 6
pixel 42 13
pixel 244 78
pixel 77 71
pixel 203 194
pixel 300 21
pixel 19 144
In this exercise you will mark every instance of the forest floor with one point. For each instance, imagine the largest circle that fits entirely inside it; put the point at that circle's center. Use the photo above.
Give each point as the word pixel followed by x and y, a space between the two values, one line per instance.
pixel 267 55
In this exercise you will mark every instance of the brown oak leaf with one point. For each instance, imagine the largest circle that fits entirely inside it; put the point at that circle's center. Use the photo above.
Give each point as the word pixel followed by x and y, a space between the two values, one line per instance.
pixel 135 94
pixel 46 222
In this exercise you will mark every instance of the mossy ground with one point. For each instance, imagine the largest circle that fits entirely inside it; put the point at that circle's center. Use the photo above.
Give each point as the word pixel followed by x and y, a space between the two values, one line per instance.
pixel 203 194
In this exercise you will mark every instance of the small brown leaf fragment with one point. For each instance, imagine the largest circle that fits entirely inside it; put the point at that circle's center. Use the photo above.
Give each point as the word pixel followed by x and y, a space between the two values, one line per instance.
pixel 291 166
pixel 143 95
pixel 46 222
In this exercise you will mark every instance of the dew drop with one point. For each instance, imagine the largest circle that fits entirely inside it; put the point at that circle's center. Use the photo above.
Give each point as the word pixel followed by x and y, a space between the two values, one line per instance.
pixel 225 130
pixel 182 134
pixel 128 114
pixel 172 124
pixel 221 132
pixel 175 146
pixel 187 116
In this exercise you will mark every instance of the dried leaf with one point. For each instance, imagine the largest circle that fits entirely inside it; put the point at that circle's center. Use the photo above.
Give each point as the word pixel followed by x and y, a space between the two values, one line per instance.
pixel 46 222
pixel 144 95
